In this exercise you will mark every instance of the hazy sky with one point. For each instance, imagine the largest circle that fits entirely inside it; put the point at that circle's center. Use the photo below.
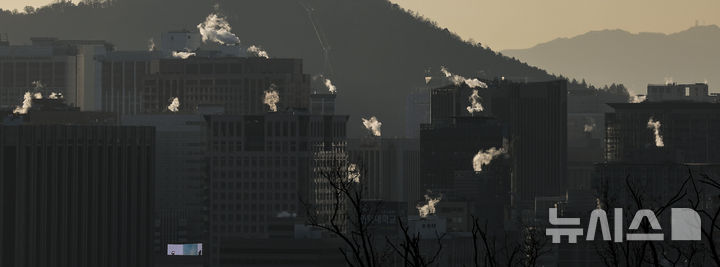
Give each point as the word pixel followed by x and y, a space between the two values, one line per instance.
pixel 505 24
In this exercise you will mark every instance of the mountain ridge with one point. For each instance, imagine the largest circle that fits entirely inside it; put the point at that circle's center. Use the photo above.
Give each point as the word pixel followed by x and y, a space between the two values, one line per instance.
pixel 633 59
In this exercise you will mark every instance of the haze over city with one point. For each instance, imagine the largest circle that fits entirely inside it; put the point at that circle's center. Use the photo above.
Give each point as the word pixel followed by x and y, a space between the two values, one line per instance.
pixel 363 133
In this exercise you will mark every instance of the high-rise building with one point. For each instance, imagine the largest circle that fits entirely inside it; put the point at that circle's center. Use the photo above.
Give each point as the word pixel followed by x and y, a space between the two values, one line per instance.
pixel 76 195
pixel 181 182
pixel 51 65
pixel 264 170
pixel 536 116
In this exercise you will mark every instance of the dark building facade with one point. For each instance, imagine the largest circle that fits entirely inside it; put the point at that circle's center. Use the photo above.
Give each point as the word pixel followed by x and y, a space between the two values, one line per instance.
pixel 688 129
pixel 536 116
pixel 261 167
pixel 76 195
pixel 181 182
pixel 391 168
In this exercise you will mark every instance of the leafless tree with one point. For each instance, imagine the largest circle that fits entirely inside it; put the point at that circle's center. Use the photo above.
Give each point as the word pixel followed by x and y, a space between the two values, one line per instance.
pixel 705 203
pixel 410 248
pixel 349 216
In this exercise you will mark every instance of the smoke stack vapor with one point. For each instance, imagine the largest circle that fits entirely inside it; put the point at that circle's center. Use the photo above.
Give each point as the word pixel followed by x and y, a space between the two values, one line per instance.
pixel 257 51
pixel 353 173
pixel 638 99
pixel 373 125
pixel 272 97
pixel 590 125
pixel 217 29
pixel 27 104
pixel 182 54
pixel 457 79
pixel 475 105
pixel 174 105
pixel 54 95
pixel 483 158
pixel 428 79
pixel 429 208
pixel 668 80
pixel 655 125
pixel 330 86
pixel 151 45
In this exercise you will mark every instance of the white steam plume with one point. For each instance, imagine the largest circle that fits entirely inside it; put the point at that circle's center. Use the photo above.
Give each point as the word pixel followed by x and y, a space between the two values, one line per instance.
pixel 655 125
pixel 457 79
pixel 483 158
pixel 257 51
pixel 428 79
pixel 429 208
pixel 330 86
pixel 54 95
pixel 638 98
pixel 668 80
pixel 590 125
pixel 37 85
pixel 353 173
pixel 174 105
pixel 272 97
pixel 151 45
pixel 475 105
pixel 217 29
pixel 27 104
pixel 182 54
pixel 373 125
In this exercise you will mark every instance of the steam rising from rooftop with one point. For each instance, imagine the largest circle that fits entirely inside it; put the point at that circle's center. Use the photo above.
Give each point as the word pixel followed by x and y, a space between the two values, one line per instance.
pixel 638 98
pixel 257 51
pixel 475 105
pixel 217 29
pixel 330 86
pixel 26 105
pixel 353 173
pixel 272 97
pixel 373 125
pixel 174 105
pixel 429 208
pixel 457 79
pixel 182 54
pixel 483 158
pixel 590 125
pixel 151 45
pixel 655 125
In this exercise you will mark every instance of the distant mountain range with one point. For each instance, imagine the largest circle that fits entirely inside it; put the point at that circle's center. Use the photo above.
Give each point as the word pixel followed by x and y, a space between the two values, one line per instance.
pixel 635 60
pixel 378 52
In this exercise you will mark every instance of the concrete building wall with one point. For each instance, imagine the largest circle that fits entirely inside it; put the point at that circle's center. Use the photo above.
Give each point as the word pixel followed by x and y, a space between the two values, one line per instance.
pixel 76 195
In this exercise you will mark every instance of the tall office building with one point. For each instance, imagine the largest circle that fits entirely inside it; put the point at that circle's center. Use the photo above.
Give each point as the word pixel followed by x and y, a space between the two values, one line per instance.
pixel 76 195
pixel 61 66
pixel 261 167
pixel 536 116
pixel 181 182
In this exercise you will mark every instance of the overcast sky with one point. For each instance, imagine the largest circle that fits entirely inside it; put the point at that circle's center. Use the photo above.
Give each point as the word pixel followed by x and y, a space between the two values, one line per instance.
pixel 505 24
